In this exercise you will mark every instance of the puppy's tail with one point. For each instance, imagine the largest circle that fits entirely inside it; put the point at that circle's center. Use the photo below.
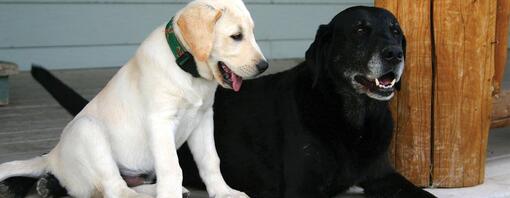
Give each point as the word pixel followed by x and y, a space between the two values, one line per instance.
pixel 34 167
pixel 65 96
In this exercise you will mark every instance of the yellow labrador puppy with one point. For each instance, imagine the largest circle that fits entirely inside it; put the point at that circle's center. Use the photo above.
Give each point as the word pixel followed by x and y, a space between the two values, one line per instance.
pixel 160 99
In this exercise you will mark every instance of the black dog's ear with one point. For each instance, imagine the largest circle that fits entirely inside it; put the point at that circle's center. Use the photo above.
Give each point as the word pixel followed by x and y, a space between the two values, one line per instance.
pixel 404 47
pixel 316 54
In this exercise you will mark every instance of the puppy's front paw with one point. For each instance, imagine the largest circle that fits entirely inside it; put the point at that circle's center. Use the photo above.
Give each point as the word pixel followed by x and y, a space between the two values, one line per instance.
pixel 231 194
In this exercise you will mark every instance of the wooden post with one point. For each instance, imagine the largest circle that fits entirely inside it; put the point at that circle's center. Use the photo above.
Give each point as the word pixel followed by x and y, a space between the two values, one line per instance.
pixel 502 22
pixel 464 35
pixel 442 114
pixel 412 108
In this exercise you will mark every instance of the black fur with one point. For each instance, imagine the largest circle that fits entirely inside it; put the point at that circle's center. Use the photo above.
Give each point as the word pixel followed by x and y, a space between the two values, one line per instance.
pixel 308 132
pixel 59 90
pixel 16 187
pixel 48 186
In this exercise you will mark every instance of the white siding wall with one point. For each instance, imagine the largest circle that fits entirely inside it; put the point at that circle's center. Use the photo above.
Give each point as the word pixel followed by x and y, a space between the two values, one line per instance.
pixel 105 33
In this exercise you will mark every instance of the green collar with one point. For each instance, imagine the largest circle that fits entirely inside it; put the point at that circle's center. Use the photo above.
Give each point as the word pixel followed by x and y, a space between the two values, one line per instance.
pixel 183 58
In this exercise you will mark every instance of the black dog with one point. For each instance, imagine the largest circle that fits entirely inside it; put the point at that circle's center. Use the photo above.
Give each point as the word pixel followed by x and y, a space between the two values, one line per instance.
pixel 317 129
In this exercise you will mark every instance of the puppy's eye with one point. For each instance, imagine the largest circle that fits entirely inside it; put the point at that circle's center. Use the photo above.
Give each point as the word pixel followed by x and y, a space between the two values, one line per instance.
pixel 237 37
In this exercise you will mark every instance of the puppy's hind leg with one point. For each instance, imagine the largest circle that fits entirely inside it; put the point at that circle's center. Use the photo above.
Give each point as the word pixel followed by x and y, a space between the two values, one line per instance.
pixel 87 165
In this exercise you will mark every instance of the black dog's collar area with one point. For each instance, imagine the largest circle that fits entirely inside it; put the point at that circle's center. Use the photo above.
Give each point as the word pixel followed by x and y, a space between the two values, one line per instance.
pixel 182 57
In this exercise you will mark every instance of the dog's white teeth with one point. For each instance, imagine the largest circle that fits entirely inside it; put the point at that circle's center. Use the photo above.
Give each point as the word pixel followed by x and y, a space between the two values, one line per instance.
pixel 385 86
pixel 393 82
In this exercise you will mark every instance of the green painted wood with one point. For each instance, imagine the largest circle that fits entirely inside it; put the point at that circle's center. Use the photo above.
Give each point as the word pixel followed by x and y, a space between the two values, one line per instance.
pixel 4 90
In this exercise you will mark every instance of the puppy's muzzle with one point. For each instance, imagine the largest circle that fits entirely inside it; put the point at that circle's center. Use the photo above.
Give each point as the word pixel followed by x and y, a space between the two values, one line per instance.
pixel 392 55
pixel 262 66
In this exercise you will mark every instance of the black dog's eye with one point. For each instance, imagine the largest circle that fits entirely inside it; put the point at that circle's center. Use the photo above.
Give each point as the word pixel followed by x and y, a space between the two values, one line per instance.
pixel 362 30
pixel 396 31
pixel 237 37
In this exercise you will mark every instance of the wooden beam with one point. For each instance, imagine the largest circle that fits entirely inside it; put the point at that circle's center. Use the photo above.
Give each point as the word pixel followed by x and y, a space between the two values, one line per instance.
pixel 501 110
pixel 411 147
pixel 6 69
pixel 502 21
pixel 464 37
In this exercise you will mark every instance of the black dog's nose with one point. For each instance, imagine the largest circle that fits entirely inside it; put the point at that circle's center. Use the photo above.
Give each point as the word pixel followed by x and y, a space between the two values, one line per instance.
pixel 262 66
pixel 393 54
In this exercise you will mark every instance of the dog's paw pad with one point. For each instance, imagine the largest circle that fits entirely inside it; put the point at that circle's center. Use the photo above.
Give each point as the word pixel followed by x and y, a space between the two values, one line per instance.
pixel 41 188
pixel 5 191
pixel 186 194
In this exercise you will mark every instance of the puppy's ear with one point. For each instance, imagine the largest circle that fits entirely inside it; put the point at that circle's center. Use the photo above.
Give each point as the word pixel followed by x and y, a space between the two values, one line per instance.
pixel 196 24
pixel 316 54
pixel 404 47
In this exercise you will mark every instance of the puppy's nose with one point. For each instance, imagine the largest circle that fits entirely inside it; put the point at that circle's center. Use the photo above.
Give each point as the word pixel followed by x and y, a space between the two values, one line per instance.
pixel 393 54
pixel 262 66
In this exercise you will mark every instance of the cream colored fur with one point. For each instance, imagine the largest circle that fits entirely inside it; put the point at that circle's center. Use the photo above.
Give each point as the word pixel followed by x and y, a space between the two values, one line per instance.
pixel 150 108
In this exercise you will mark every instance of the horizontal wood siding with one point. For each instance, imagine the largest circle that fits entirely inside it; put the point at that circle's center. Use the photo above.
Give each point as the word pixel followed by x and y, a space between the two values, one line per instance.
pixel 105 33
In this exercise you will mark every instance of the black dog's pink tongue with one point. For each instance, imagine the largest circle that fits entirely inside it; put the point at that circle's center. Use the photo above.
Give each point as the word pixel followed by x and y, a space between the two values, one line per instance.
pixel 385 81
pixel 237 81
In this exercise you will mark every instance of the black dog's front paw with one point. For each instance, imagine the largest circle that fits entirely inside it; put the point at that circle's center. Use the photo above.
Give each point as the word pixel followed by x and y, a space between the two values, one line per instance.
pixel 402 193
pixel 405 192
pixel 423 193
pixel 394 186
pixel 413 193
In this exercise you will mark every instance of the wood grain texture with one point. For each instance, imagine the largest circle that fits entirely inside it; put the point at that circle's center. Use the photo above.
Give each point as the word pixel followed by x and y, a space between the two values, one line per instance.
pixel 412 106
pixel 502 22
pixel 8 68
pixel 501 110
pixel 464 36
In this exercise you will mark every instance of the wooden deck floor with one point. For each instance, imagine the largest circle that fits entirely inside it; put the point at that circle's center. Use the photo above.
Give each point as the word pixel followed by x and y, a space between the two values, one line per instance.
pixel 32 123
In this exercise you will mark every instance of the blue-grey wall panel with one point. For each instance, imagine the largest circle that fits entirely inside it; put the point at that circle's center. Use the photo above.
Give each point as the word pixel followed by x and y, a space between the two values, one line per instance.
pixel 111 24
pixel 117 55
pixel 78 33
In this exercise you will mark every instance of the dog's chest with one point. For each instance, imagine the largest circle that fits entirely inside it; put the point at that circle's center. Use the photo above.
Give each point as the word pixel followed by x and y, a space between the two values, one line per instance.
pixel 191 115
pixel 190 119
